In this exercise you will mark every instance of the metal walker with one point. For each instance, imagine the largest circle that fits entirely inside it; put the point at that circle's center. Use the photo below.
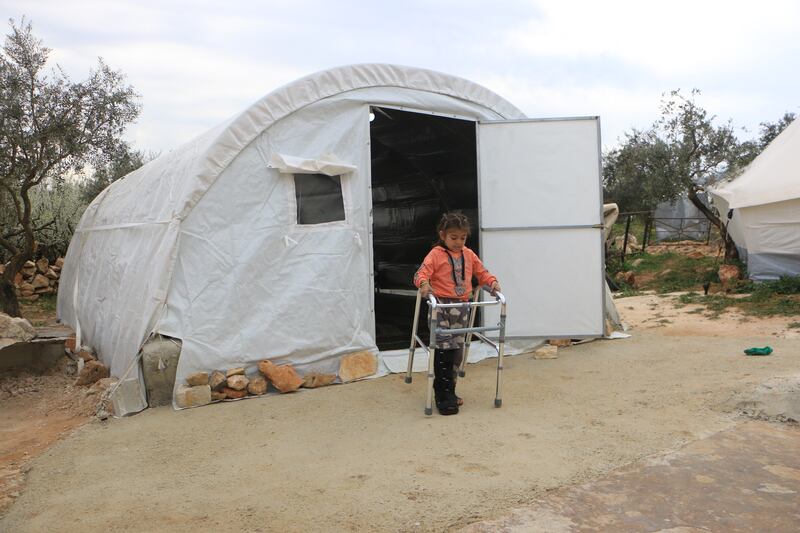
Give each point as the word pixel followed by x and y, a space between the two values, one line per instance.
pixel 433 308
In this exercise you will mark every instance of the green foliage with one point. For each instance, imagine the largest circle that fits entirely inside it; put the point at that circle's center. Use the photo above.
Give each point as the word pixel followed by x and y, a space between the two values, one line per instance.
pixel 63 204
pixel 770 298
pixel 123 161
pixel 668 272
pixel 681 150
pixel 47 303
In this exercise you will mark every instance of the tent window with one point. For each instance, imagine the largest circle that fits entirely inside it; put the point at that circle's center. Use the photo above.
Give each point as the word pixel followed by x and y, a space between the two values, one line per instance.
pixel 319 198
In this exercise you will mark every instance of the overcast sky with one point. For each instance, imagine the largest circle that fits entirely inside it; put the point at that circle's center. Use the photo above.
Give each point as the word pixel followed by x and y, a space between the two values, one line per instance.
pixel 195 63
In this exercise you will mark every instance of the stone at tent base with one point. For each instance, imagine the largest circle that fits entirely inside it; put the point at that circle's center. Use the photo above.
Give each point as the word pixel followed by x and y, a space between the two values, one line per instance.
pixel 59 262
pixel 728 274
pixel 85 355
pixel 69 344
pixel 283 377
pixel 235 372
pixel 91 372
pixel 100 386
pixel 198 378
pixel 51 274
pixel 559 342
pixel 257 385
pixel 217 380
pixel 233 393
pixel 314 380
pixel 193 396
pixel 357 365
pixel 238 382
pixel 218 395
pixel 546 352
pixel 159 364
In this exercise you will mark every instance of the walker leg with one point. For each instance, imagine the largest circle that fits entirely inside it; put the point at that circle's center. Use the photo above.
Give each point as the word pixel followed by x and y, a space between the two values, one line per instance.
pixel 498 396
pixel 431 355
pixel 468 340
pixel 413 347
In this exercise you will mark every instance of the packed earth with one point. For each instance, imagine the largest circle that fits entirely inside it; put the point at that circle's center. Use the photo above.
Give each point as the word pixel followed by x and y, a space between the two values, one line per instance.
pixel 362 456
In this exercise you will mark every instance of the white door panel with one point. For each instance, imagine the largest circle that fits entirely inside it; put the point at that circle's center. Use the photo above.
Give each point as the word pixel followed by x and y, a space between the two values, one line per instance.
pixel 541 215
pixel 550 290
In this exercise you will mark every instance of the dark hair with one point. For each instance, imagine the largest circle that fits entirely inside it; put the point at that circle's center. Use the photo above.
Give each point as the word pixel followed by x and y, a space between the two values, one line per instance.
pixel 454 220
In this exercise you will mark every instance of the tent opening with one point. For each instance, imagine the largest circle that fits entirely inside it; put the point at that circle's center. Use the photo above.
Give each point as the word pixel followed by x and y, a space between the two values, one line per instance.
pixel 422 166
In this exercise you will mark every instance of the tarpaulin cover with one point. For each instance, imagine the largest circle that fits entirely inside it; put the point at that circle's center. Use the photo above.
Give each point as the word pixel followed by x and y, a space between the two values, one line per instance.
pixel 765 200
pixel 203 242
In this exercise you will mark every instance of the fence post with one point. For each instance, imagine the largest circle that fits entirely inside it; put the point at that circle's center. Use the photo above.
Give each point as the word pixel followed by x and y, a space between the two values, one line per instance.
pixel 625 240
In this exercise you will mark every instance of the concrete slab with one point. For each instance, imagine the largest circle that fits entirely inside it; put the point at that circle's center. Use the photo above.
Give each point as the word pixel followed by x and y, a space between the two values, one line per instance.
pixel 743 479
pixel 37 355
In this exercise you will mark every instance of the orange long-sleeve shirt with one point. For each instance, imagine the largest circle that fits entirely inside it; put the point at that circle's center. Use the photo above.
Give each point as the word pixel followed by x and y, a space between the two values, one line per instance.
pixel 438 271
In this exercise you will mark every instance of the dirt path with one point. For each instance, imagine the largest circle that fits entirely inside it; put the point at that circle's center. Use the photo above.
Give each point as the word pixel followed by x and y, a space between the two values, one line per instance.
pixel 37 411
pixel 363 457
pixel 742 479
pixel 663 312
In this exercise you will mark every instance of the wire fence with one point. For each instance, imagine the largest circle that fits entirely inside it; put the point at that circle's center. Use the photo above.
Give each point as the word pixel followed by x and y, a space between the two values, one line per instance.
pixel 638 228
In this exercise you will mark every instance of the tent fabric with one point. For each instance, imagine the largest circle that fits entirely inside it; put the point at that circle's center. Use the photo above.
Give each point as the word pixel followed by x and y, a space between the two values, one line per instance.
pixel 765 200
pixel 202 243
pixel 774 176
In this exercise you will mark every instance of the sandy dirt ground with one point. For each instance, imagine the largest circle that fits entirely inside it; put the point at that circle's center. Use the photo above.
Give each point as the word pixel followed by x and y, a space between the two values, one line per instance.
pixel 37 411
pixel 362 457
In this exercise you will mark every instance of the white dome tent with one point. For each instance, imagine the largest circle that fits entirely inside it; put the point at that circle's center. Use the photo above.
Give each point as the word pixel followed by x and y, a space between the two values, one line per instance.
pixel 765 199
pixel 291 231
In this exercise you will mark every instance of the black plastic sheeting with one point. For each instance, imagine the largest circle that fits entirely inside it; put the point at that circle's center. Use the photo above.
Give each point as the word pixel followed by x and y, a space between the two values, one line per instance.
pixel 422 166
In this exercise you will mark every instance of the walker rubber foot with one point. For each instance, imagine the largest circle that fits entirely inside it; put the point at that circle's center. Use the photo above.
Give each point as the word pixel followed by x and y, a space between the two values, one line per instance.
pixel 408 379
pixel 428 411
pixel 498 402
pixel 461 373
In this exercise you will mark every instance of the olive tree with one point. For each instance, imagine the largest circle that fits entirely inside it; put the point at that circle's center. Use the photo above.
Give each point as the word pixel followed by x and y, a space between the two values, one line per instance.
pixel 50 128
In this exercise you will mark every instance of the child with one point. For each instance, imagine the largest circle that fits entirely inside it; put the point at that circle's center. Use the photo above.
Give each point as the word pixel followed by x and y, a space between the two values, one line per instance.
pixel 447 271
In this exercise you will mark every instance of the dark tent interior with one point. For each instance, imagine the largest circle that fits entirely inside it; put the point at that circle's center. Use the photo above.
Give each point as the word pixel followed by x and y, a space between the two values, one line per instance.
pixel 422 166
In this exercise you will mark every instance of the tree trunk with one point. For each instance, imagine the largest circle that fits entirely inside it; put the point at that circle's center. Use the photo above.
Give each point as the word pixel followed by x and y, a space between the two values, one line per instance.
pixel 8 296
pixel 731 252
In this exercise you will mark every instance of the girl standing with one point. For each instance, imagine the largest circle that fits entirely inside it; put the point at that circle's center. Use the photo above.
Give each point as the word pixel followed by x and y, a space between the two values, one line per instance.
pixel 448 270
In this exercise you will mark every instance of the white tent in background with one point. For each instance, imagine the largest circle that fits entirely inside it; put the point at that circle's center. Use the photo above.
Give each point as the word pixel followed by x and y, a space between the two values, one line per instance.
pixel 765 200
pixel 680 220
pixel 291 231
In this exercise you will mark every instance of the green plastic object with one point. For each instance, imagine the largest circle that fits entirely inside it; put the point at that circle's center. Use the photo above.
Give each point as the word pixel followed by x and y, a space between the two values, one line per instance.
pixel 766 350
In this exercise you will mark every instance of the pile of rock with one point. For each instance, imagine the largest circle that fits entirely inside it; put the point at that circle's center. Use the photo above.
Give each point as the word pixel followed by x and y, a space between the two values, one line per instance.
pixel 37 278
pixel 89 369
pixel 202 388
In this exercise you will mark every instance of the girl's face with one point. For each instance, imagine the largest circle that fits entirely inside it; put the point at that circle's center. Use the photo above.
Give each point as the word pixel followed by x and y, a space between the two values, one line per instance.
pixel 454 239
